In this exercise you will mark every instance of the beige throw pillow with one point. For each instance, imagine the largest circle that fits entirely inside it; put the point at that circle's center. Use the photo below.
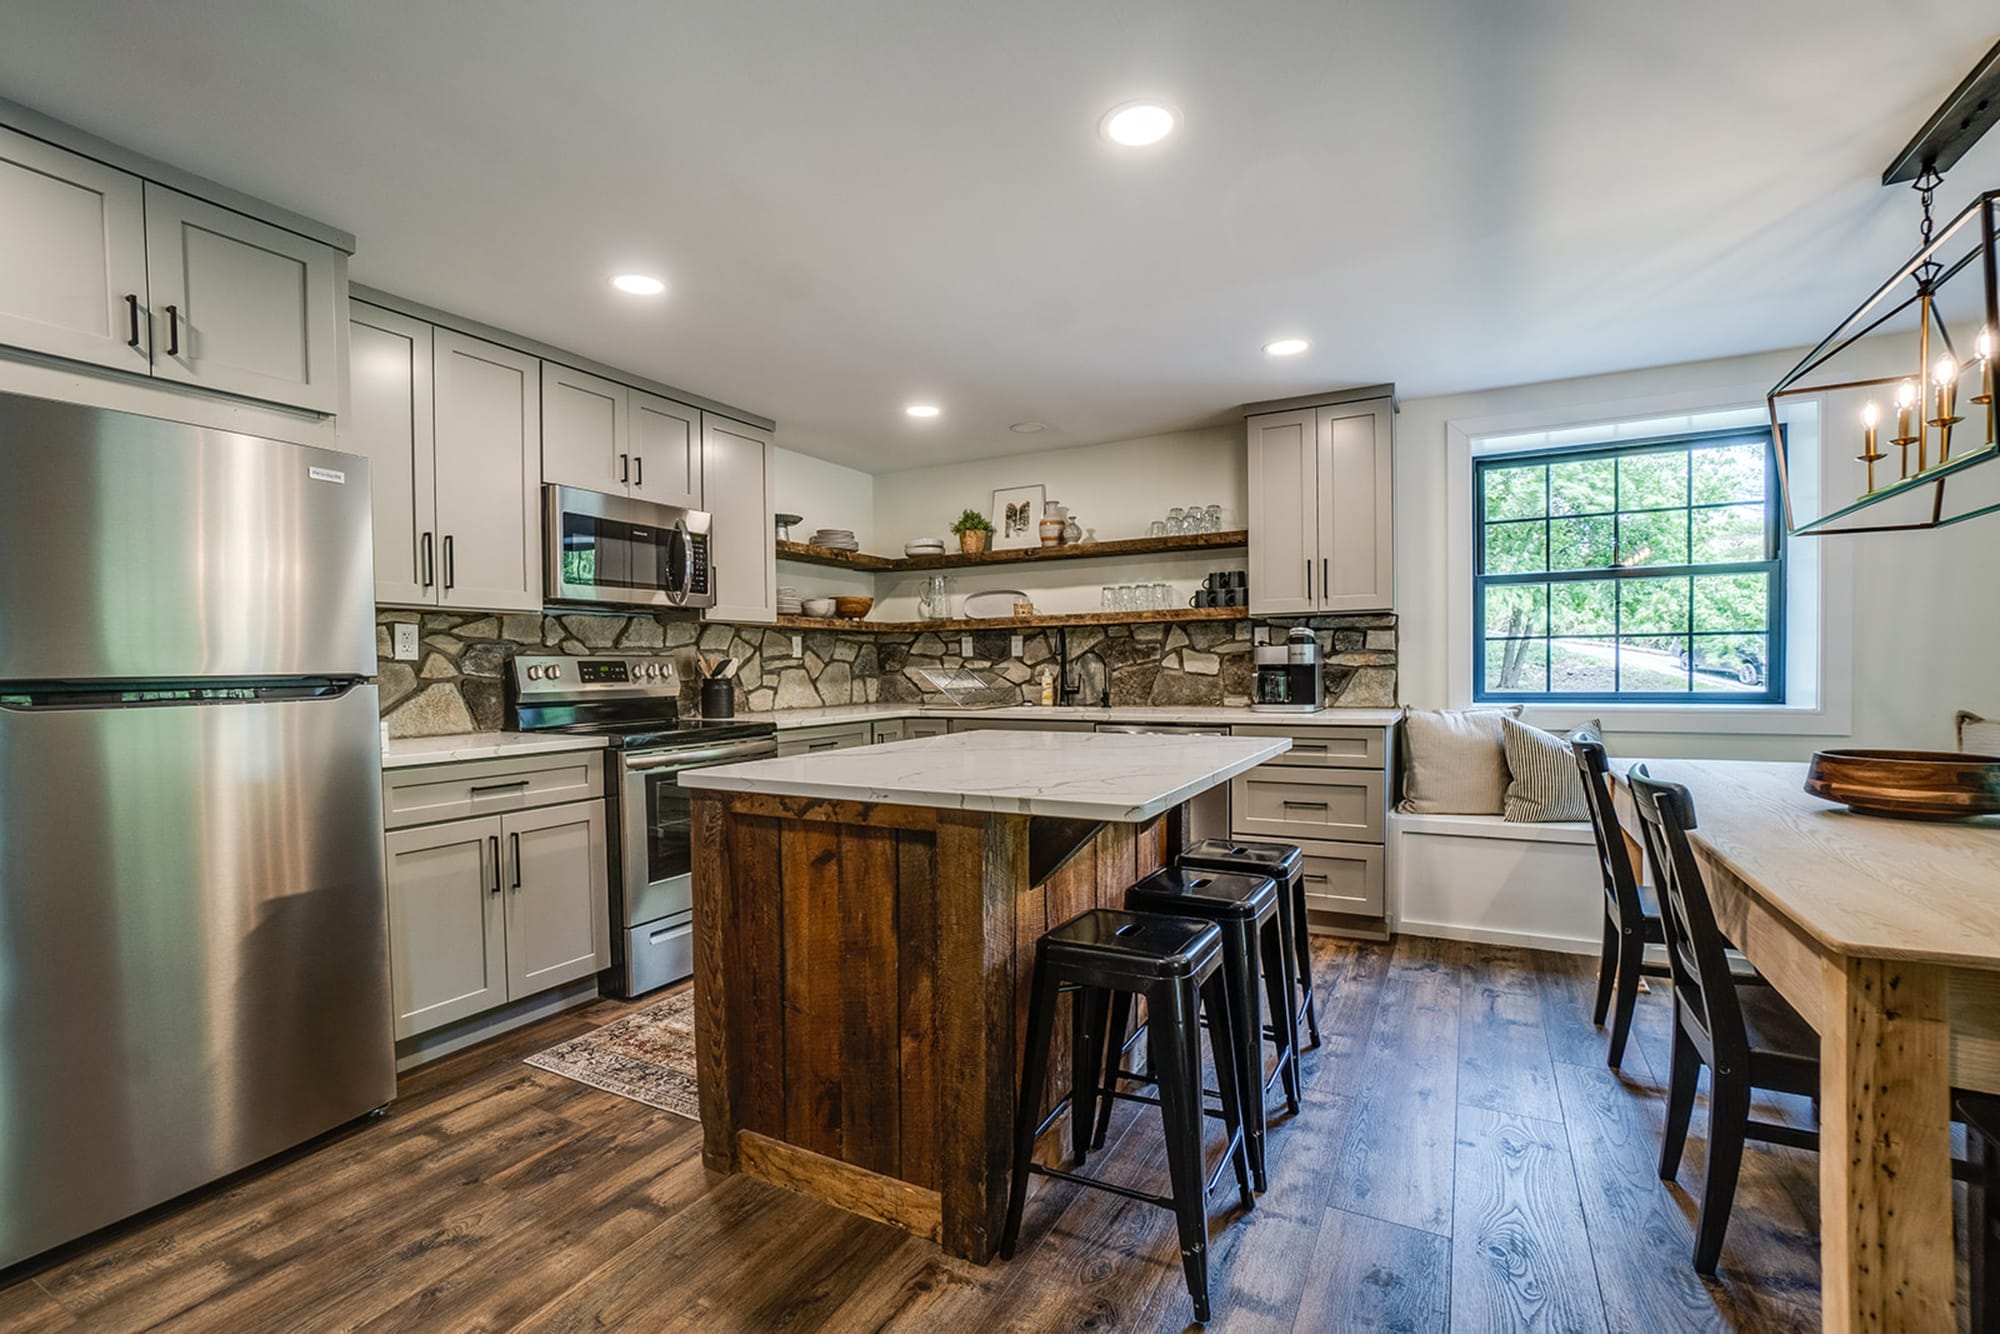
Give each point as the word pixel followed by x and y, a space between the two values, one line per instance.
pixel 1453 762
pixel 1545 785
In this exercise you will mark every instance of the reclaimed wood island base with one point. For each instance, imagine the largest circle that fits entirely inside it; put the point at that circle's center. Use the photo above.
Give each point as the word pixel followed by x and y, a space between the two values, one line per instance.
pixel 862 978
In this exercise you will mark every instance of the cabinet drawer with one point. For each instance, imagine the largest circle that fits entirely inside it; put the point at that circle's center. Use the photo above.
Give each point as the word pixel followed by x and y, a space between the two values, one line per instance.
pixel 425 794
pixel 1342 877
pixel 811 740
pixel 1281 802
pixel 1327 747
pixel 892 730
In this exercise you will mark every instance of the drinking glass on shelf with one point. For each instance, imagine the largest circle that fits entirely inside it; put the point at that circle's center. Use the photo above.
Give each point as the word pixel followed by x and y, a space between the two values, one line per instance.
pixel 1142 597
pixel 1176 521
pixel 1163 597
pixel 1125 596
pixel 1159 528
pixel 1214 516
pixel 1110 597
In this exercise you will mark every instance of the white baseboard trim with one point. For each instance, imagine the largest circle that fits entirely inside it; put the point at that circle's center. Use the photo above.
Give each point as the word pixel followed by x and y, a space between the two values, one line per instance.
pixel 1485 935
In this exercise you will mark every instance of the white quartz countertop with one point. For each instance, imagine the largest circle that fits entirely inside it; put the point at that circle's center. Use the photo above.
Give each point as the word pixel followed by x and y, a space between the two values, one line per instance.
pixel 1108 776
pixel 404 752
pixel 1207 715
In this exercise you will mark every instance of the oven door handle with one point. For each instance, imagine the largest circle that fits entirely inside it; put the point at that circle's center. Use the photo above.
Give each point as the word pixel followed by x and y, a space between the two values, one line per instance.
pixel 689 759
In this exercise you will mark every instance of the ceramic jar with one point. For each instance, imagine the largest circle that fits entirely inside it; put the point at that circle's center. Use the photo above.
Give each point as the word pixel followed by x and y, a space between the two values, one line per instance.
pixel 1053 523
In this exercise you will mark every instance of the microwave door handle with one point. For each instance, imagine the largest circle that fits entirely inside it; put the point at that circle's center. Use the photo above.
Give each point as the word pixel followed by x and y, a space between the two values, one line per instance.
pixel 679 550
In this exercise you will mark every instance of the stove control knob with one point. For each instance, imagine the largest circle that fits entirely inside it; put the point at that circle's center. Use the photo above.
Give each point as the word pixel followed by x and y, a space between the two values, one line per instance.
pixel 552 671
pixel 534 673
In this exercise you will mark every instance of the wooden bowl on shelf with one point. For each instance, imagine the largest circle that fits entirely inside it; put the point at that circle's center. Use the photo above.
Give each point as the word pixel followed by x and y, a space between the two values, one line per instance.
pixel 1907 784
pixel 852 609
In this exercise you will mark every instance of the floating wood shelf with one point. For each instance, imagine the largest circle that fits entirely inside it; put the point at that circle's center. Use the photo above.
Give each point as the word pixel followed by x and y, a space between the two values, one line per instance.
pixel 1136 546
pixel 963 625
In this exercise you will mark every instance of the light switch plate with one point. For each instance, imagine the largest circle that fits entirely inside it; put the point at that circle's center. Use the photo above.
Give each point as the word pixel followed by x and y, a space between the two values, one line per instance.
pixel 798 646
pixel 965 646
pixel 1014 647
pixel 406 642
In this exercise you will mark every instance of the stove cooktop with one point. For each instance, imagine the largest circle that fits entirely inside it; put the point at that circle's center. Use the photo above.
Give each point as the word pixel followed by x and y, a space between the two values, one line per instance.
pixel 660 733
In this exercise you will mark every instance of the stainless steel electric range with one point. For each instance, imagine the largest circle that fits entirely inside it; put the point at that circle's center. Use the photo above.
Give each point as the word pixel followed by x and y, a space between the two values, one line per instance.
pixel 634 704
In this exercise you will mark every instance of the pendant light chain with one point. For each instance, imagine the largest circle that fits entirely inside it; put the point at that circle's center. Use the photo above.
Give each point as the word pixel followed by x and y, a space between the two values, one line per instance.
pixel 1926 187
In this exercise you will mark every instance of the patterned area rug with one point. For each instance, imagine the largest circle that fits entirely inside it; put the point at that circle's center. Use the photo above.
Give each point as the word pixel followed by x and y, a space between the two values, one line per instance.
pixel 647 1056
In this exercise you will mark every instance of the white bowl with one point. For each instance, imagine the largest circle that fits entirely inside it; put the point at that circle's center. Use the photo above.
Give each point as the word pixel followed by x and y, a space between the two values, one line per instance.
pixel 820 607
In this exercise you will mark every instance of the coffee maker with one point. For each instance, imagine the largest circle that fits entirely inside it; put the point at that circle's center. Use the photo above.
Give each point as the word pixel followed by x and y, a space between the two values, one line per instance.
pixel 1288 678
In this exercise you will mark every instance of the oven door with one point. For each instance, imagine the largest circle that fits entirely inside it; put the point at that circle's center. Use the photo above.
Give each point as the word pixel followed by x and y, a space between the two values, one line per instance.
pixel 657 848
pixel 613 550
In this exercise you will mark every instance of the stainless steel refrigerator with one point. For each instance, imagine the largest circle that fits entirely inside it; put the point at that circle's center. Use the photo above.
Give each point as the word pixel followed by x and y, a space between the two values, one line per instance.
pixel 194 969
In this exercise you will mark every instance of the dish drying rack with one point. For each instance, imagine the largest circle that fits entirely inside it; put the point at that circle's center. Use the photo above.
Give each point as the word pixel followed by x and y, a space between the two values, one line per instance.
pixel 967 687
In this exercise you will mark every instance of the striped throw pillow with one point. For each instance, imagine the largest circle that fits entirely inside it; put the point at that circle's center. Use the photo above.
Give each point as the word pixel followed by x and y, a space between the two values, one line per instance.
pixel 1544 785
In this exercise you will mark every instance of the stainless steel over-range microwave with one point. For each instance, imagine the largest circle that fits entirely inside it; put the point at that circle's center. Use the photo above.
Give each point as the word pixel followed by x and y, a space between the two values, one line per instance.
pixel 606 550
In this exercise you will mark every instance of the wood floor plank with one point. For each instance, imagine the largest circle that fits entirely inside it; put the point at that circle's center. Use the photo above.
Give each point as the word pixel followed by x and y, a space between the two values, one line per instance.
pixel 1503 1052
pixel 1370 1275
pixel 1569 993
pixel 1265 1261
pixel 1518 1230
pixel 26 1309
pixel 1396 1159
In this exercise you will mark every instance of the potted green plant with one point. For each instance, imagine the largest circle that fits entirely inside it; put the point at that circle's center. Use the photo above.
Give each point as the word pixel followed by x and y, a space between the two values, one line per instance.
pixel 974 532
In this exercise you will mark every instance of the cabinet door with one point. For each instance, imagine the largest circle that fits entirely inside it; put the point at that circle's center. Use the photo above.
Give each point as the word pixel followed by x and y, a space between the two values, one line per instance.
pixel 558 896
pixel 447 923
pixel 736 489
pixel 812 740
pixel 584 431
pixel 488 434
pixel 1356 545
pixel 389 421
pixel 1284 513
pixel 666 451
pixel 73 264
pixel 241 306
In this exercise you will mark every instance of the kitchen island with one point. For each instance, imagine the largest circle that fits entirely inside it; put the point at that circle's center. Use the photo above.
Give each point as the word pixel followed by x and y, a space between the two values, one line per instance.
pixel 865 926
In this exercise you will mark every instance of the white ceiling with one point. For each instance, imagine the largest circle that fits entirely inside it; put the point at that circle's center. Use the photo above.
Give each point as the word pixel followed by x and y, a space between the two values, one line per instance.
pixel 865 204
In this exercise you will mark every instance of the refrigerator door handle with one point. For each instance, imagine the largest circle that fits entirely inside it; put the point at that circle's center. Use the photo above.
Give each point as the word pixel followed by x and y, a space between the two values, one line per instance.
pixel 493 842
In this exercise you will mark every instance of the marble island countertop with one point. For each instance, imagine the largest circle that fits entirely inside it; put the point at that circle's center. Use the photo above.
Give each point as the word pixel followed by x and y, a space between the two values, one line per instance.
pixel 1074 775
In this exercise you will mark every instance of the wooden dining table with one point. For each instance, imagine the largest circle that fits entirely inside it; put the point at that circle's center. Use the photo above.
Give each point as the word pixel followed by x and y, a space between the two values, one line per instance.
pixel 1885 934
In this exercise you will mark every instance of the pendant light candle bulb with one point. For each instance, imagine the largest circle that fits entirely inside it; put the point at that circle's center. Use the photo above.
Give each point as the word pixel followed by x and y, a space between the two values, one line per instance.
pixel 1945 373
pixel 1906 399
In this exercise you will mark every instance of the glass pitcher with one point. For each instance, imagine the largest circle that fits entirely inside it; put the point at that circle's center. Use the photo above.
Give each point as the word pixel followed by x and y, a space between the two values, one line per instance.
pixel 934 598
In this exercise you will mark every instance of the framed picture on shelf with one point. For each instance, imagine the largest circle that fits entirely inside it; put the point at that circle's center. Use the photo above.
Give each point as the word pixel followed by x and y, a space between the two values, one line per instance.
pixel 1017 515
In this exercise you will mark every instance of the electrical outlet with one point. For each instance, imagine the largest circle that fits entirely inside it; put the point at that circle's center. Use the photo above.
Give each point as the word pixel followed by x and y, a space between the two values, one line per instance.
pixel 406 642
pixel 798 646
pixel 965 646
pixel 1014 648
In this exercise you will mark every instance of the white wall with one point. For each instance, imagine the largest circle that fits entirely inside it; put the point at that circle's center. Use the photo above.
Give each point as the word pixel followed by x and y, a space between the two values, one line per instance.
pixel 1117 489
pixel 1926 637
pixel 824 495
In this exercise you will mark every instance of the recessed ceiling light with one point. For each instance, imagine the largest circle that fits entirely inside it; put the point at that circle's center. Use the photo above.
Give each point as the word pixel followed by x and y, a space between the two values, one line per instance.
pixel 1136 124
pixel 922 410
pixel 639 284
pixel 1027 428
pixel 1286 347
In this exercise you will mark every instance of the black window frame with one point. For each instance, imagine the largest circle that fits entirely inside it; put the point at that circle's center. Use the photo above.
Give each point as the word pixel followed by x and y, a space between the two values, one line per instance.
pixel 1773 565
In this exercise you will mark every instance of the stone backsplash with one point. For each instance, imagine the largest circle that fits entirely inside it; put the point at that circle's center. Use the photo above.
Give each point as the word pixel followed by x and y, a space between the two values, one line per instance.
pixel 455 684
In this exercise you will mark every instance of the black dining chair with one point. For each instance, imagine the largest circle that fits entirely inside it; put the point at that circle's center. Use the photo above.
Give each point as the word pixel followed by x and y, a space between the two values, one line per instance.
pixel 1981 1114
pixel 1631 913
pixel 1748 1035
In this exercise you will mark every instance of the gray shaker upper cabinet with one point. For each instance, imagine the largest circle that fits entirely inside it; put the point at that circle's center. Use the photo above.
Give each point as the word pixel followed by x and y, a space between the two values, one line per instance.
pixel 389 419
pixel 605 436
pixel 586 430
pixel 240 306
pixel 487 428
pixel 736 490
pixel 73 261
pixel 1321 528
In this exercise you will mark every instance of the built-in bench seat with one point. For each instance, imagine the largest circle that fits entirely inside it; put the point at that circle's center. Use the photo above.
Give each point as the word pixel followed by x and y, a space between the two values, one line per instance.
pixel 1478 877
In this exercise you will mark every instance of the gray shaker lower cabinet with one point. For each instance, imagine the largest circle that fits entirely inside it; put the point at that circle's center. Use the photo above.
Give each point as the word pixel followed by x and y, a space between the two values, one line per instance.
pixel 1329 795
pixel 497 908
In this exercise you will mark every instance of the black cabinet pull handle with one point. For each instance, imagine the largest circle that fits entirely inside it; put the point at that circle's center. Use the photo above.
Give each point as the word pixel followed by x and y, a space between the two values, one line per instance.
pixel 450 567
pixel 478 788
pixel 494 841
pixel 173 331
pixel 429 567
pixel 132 320
pixel 624 468
pixel 1325 584
pixel 515 839
pixel 638 470
pixel 1309 578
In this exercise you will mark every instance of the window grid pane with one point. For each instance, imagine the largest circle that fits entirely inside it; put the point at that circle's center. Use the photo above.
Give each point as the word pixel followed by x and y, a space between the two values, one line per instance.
pixel 1661 576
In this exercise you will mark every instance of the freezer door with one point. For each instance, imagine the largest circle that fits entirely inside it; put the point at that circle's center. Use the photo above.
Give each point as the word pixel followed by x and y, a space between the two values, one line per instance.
pixel 137 548
pixel 194 965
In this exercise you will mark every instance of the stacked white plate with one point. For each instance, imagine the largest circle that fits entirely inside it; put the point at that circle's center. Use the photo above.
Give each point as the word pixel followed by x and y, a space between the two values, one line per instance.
pixel 924 546
pixel 789 602
pixel 835 539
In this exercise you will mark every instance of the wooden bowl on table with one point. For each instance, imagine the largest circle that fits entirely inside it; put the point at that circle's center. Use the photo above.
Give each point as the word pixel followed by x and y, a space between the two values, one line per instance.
pixel 852 609
pixel 1907 784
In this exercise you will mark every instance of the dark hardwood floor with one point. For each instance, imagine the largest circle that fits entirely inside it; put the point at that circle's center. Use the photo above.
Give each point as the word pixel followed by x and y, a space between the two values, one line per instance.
pixel 1463 1160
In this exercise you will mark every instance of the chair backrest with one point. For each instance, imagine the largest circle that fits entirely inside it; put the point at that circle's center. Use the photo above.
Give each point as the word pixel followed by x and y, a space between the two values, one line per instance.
pixel 1696 947
pixel 1621 884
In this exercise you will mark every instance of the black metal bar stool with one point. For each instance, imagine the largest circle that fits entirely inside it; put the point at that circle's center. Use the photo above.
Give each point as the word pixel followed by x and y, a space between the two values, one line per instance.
pixel 1246 909
pixel 1284 863
pixel 1176 964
